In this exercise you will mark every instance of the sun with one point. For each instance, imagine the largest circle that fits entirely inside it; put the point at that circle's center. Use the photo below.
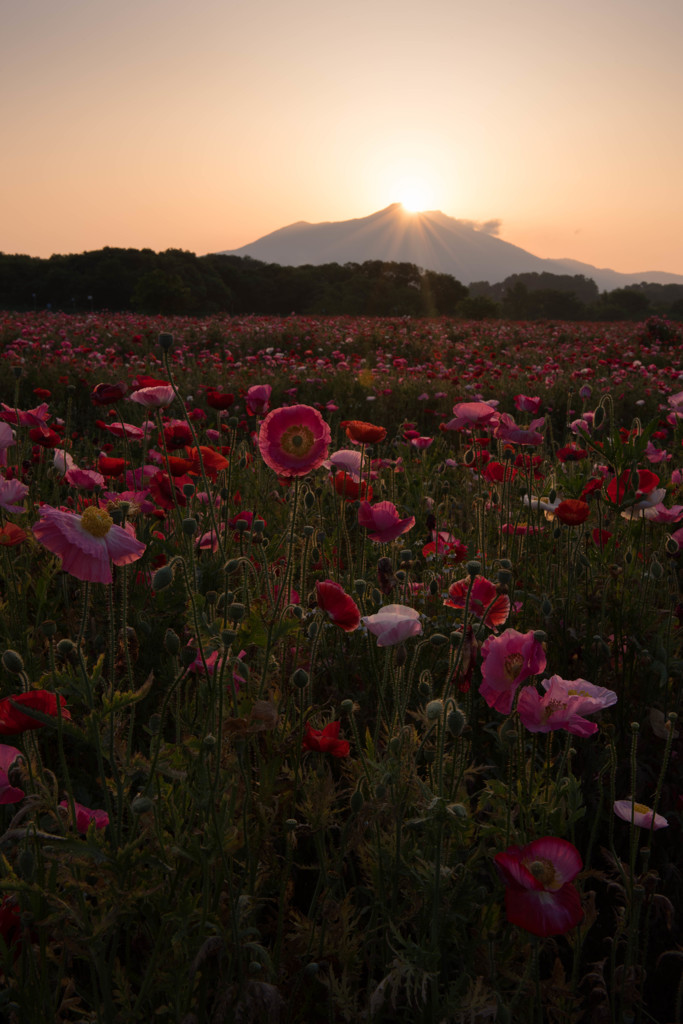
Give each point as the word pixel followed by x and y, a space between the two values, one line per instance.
pixel 414 195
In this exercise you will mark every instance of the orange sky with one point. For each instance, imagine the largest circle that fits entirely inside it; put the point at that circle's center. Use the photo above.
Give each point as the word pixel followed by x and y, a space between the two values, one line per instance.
pixel 160 123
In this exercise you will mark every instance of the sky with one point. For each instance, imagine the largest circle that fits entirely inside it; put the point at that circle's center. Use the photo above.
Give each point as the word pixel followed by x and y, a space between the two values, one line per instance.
pixel 205 125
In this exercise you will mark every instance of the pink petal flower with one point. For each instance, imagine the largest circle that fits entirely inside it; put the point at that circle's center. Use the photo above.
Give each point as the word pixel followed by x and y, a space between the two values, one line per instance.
pixel 340 607
pixel 85 554
pixel 539 896
pixel 382 521
pixel 258 399
pixel 393 623
pixel 157 397
pixel 11 492
pixel 293 440
pixel 507 661
pixel 85 816
pixel 484 599
pixel 641 814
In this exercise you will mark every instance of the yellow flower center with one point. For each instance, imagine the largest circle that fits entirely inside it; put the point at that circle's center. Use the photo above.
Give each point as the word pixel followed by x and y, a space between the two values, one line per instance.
pixel 641 809
pixel 297 440
pixel 513 664
pixel 578 693
pixel 544 872
pixel 553 706
pixel 96 521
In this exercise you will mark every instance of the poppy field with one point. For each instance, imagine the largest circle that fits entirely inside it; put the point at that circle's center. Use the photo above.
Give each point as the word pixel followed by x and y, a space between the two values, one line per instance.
pixel 340 666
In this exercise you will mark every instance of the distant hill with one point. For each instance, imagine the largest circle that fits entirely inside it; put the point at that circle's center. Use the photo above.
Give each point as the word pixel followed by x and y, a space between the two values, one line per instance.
pixel 433 241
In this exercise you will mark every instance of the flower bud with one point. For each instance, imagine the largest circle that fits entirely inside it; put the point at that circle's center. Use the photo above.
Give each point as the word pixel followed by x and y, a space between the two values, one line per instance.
pixel 165 342
pixel 456 721
pixel 300 678
pixel 434 710
pixel 13 662
pixel 171 642
pixel 189 527
pixel 162 578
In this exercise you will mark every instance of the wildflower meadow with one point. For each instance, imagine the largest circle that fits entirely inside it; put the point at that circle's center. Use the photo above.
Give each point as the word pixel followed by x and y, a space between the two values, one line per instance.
pixel 340 670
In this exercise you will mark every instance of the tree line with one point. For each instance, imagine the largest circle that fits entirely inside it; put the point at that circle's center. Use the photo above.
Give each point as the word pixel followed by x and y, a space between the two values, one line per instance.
pixel 179 282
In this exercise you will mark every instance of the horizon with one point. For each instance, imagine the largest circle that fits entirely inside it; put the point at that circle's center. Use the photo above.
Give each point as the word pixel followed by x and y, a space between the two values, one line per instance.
pixel 153 126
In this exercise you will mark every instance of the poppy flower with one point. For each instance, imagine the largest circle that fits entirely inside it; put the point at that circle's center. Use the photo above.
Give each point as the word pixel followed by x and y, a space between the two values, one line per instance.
pixel 7 440
pixel 326 741
pixel 350 488
pixel 640 814
pixel 176 434
pixel 527 403
pixel 471 414
pixel 294 440
pixel 108 394
pixel 157 396
pixel 484 599
pixel 14 721
pixel 84 479
pixel 393 623
pixel 362 432
pixel 9 794
pixel 347 459
pixel 507 430
pixel 11 535
pixel 340 607
pixel 85 816
pixel 445 545
pixel 572 511
pixel 507 661
pixel 12 492
pixel 382 521
pixel 563 705
pixel 571 453
pixel 258 399
pixel 45 437
pixel 642 482
pixel 87 544
pixel 218 399
pixel 212 460
pixel 539 896
pixel 109 466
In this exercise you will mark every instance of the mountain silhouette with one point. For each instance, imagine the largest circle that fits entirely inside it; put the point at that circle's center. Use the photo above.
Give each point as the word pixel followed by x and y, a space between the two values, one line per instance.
pixel 432 240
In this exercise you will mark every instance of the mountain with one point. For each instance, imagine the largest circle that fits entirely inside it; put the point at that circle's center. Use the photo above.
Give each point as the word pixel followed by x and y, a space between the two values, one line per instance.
pixel 432 240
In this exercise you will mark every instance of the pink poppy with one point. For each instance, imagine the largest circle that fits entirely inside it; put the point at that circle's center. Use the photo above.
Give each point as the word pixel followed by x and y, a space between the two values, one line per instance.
pixel 382 521
pixel 507 430
pixel 9 794
pixel 341 608
pixel 421 442
pixel 507 661
pixel 393 623
pixel 37 417
pixel 527 403
pixel 484 599
pixel 258 399
pixel 471 414
pixel 7 439
pixel 348 460
pixel 539 896
pixel 563 705
pixel 87 544
pixel 84 479
pixel 85 816
pixel 293 440
pixel 641 814
pixel 158 396
pixel 11 492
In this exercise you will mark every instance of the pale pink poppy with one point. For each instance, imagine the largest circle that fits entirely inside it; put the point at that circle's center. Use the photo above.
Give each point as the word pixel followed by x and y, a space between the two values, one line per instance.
pixel 84 479
pixel 294 440
pixel 85 816
pixel 507 661
pixel 471 414
pixel 382 521
pixel 12 492
pixel 656 455
pixel 348 460
pixel 128 430
pixel 641 814
pixel 157 397
pixel 484 600
pixel 89 543
pixel 62 461
pixel 258 399
pixel 563 706
pixel 393 623
pixel 507 430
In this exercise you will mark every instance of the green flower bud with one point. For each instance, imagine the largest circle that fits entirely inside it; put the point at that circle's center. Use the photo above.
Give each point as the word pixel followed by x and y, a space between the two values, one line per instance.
pixel 438 640
pixel 162 578
pixel 300 678
pixel 13 662
pixel 456 721
pixel 434 710
pixel 166 342
pixel 171 642
pixel 141 804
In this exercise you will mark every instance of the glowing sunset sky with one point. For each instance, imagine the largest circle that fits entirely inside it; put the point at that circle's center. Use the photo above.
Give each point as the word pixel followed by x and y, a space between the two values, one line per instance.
pixel 204 125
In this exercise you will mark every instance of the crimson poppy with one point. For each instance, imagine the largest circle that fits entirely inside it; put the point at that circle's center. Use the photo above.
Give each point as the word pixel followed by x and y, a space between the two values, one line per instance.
pixel 14 721
pixel 539 896
pixel 340 607
pixel 362 432
pixel 572 511
pixel 105 394
pixel 326 741
pixel 219 399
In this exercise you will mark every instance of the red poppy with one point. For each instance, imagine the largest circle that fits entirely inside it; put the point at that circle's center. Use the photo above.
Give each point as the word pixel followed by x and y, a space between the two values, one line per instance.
pixel 213 461
pixel 42 393
pixel 326 741
pixel 642 481
pixel 178 466
pixel 110 467
pixel 483 600
pixel 572 511
pixel 45 437
pixel 571 453
pixel 601 537
pixel 341 608
pixel 105 394
pixel 14 721
pixel 349 488
pixel 497 472
pixel 362 432
pixel 11 535
pixel 144 381
pixel 177 434
pixel 219 399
